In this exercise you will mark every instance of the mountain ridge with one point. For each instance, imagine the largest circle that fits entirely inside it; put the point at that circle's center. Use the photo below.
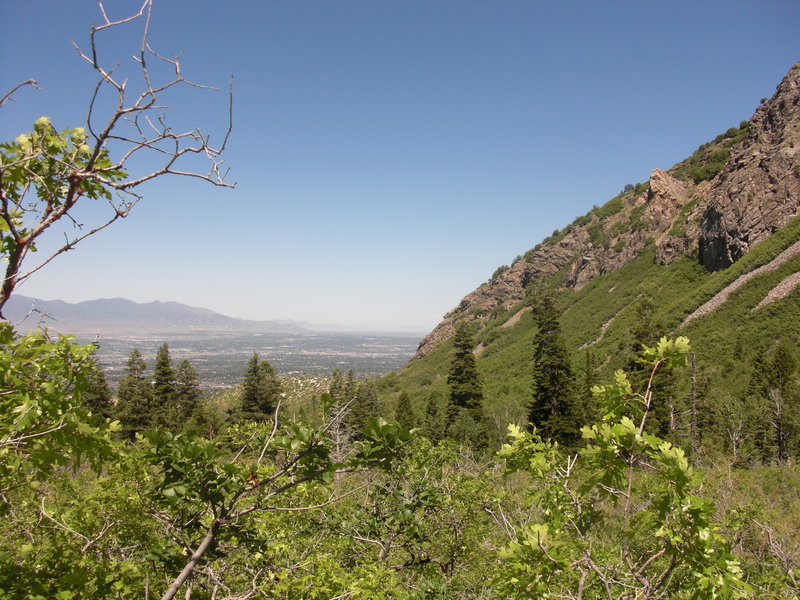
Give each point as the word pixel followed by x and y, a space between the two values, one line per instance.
pixel 105 315
pixel 708 249
pixel 715 205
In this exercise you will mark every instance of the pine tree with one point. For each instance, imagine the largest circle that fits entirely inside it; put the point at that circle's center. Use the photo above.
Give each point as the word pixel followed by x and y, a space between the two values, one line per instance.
pixel 465 421
pixel 98 397
pixel 466 391
pixel 164 401
pixel 351 387
pixel 774 383
pixel 404 412
pixel 187 391
pixel 436 417
pixel 365 404
pixel 163 375
pixel 757 393
pixel 336 416
pixel 336 387
pixel 784 367
pixel 261 390
pixel 555 409
pixel 134 397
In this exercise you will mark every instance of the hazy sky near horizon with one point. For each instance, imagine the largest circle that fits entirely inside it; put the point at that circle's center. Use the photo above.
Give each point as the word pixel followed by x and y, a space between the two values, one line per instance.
pixel 390 155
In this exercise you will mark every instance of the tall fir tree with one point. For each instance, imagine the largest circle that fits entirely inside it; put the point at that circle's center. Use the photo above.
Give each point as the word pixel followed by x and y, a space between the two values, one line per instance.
pixel 404 412
pixel 336 386
pixel 98 397
pixel 436 417
pixel 187 391
pixel 555 406
pixel 466 390
pixel 773 383
pixel 261 391
pixel 134 397
pixel 365 404
pixel 351 387
pixel 335 416
pixel 465 421
pixel 165 410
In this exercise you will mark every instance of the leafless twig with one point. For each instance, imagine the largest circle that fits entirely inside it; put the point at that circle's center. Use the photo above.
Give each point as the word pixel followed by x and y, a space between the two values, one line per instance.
pixel 131 127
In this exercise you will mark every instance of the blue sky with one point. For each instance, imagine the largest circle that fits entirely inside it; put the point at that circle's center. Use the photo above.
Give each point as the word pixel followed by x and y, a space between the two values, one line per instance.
pixel 390 155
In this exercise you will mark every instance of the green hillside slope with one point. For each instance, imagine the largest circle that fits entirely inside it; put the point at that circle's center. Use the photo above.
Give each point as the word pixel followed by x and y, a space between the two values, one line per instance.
pixel 598 319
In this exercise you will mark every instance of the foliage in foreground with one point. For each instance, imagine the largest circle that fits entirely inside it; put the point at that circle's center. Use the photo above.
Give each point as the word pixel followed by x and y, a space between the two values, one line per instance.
pixel 623 518
pixel 266 510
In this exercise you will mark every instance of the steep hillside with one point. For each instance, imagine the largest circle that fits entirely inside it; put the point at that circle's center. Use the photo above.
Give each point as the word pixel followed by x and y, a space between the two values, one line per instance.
pixel 713 207
pixel 711 244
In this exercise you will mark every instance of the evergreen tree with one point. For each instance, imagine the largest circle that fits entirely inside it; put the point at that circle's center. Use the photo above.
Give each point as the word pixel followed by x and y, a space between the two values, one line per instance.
pixel 466 391
pixel 365 404
pixel 208 419
pixel 465 421
pixel 337 422
pixel 757 394
pixel 336 387
pixel 351 387
pixel 187 391
pixel 134 397
pixel 404 412
pixel 98 397
pixel 759 375
pixel 436 417
pixel 163 376
pixel 784 367
pixel 774 384
pixel 555 409
pixel 165 410
pixel 261 390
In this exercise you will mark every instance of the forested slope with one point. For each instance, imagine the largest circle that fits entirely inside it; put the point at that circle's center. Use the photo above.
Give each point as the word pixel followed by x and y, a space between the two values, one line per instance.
pixel 652 261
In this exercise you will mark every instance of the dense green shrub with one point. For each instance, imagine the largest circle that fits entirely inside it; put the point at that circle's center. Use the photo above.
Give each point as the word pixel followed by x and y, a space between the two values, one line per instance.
pixel 710 158
pixel 499 271
pixel 641 188
pixel 610 208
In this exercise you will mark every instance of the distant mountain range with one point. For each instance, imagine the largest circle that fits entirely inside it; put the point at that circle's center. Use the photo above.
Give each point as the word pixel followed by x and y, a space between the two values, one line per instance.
pixel 118 315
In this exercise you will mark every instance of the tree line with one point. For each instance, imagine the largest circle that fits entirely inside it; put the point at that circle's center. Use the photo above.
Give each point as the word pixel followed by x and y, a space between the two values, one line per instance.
pixel 759 424
pixel 171 397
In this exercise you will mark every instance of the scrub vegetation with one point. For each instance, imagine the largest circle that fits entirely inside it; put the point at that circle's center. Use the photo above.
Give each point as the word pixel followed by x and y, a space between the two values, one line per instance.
pixel 575 445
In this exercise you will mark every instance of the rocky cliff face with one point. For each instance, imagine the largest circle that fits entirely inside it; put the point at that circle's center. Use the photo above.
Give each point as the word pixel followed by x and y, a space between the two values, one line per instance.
pixel 717 220
pixel 758 191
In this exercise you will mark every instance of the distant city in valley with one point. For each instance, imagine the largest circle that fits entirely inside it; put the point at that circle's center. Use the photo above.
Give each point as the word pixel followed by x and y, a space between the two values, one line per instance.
pixel 220 357
pixel 218 346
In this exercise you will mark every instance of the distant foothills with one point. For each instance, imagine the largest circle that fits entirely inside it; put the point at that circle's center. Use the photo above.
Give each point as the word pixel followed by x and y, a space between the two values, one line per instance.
pixel 119 315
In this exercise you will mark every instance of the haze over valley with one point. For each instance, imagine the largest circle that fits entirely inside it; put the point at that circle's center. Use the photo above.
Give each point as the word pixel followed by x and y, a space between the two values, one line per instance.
pixel 217 345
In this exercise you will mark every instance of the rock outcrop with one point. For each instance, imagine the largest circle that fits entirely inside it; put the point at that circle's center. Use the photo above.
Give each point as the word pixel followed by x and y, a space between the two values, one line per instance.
pixel 759 190
pixel 756 193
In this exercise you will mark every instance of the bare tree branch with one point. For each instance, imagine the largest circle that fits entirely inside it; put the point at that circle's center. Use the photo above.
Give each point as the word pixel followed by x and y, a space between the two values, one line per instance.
pixel 79 168
pixel 31 82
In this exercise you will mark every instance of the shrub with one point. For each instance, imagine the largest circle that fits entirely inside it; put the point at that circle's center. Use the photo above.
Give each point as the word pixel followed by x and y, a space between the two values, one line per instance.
pixel 610 208
pixel 709 159
pixel 499 271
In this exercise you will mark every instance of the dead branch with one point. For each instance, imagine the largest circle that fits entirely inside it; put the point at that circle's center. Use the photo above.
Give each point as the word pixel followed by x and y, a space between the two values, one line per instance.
pixel 133 125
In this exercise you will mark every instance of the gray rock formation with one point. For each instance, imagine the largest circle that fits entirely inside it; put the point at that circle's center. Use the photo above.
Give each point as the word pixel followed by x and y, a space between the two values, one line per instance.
pixel 759 190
